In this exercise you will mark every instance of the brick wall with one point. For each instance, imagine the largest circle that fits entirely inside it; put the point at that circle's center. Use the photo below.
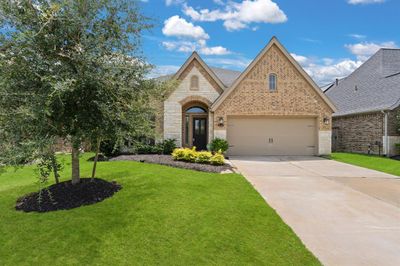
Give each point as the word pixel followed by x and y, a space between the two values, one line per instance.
pixel 294 95
pixel 393 122
pixel 355 133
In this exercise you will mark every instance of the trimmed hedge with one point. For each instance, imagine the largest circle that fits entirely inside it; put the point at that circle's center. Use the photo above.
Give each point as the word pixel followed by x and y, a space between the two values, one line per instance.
pixel 193 156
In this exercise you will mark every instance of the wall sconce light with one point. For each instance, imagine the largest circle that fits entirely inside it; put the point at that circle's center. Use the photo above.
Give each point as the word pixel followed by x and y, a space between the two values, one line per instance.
pixel 221 121
pixel 326 120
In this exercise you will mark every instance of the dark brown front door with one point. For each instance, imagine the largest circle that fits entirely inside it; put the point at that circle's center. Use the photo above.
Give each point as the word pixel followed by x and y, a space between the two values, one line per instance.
pixel 200 133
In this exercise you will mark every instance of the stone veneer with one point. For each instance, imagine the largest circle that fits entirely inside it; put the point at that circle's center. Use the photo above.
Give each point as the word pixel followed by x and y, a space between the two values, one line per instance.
pixel 207 93
pixel 294 96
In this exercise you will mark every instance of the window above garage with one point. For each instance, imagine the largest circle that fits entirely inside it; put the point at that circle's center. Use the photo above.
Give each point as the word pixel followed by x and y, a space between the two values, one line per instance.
pixel 272 82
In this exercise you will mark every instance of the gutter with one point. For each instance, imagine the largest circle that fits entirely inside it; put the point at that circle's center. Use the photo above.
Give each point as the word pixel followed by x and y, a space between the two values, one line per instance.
pixel 361 112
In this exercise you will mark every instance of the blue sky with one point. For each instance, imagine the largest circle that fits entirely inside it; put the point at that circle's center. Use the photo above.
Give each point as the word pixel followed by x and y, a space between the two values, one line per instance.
pixel 329 38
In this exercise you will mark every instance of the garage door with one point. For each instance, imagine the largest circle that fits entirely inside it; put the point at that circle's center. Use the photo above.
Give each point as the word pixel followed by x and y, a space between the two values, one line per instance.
pixel 272 136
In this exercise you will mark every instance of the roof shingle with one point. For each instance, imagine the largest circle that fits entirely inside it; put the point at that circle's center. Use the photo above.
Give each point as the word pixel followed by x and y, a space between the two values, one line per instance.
pixel 374 86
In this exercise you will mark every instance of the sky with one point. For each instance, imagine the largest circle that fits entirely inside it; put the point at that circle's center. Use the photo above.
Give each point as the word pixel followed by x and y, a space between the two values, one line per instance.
pixel 329 38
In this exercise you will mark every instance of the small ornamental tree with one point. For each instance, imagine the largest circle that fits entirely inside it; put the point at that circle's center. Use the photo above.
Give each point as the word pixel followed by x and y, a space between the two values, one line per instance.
pixel 71 70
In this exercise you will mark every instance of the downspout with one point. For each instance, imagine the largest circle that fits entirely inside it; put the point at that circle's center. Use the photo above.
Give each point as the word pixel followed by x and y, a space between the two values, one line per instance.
pixel 386 138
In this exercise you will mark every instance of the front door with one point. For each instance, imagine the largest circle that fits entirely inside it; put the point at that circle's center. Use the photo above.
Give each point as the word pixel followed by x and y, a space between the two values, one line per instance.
pixel 200 133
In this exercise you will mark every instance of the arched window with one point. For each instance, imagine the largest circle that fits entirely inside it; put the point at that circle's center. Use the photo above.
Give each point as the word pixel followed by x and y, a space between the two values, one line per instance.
pixel 195 109
pixel 272 82
pixel 194 82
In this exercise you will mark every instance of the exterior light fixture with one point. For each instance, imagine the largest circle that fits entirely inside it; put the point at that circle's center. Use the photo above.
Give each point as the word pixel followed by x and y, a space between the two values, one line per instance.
pixel 326 120
pixel 221 121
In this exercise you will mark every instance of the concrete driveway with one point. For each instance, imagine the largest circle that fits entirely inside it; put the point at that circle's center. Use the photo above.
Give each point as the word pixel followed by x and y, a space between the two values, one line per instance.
pixel 346 215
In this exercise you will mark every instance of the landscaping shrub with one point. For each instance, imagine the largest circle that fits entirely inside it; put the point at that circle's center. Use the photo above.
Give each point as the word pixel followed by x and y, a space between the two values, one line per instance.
pixel 219 144
pixel 169 145
pixel 193 156
pixel 179 154
pixel 217 159
pixel 165 147
pixel 107 147
pixel 143 148
pixel 203 157
pixel 190 155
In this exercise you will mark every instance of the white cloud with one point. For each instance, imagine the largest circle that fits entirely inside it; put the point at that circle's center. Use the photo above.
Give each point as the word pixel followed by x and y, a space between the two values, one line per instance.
pixel 163 70
pixel 219 2
pixel 326 70
pixel 238 63
pixel 180 46
pixel 356 2
pixel 365 49
pixel 216 50
pixel 357 36
pixel 190 46
pixel 173 2
pixel 237 16
pixel 179 27
pixel 300 59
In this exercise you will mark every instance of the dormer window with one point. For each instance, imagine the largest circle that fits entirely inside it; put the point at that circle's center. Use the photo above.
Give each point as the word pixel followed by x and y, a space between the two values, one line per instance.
pixel 272 82
pixel 194 83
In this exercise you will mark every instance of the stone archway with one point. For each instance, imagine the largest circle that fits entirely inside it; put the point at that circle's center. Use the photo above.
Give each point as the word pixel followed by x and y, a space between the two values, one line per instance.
pixel 195 122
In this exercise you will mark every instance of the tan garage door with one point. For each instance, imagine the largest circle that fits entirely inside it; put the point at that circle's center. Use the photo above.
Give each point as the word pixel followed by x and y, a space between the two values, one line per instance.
pixel 271 136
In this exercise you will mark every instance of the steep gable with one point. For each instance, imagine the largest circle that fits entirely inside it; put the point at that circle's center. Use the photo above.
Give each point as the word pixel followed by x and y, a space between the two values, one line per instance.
pixel 195 61
pixel 296 93
pixel 273 55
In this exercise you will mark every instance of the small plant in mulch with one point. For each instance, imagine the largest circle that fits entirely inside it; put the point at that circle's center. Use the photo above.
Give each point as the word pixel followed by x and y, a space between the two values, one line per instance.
pixel 101 158
pixel 65 196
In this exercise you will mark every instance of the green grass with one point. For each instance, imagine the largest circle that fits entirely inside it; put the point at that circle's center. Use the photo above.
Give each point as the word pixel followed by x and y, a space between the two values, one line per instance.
pixel 163 215
pixel 378 163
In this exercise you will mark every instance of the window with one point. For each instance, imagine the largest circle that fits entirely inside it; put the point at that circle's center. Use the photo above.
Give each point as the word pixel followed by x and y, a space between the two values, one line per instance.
pixel 195 109
pixel 272 80
pixel 194 82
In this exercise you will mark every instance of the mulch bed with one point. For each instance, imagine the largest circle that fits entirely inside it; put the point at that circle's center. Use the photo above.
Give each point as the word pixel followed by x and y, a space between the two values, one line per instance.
pixel 397 157
pixel 168 160
pixel 65 196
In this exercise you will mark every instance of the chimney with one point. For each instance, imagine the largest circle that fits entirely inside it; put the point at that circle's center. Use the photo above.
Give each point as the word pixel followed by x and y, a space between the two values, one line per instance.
pixel 337 82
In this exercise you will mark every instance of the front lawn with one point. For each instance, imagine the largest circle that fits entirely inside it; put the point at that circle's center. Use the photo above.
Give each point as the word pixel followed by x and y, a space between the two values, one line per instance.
pixel 378 163
pixel 162 215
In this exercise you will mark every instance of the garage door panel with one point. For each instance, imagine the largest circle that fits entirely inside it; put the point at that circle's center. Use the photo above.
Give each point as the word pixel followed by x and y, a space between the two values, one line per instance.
pixel 272 136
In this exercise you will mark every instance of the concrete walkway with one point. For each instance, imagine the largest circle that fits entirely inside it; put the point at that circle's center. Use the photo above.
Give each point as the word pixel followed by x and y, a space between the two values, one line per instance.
pixel 346 215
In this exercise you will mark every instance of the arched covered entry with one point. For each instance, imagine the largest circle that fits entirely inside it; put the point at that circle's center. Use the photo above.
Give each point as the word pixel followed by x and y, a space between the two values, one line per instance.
pixel 195 124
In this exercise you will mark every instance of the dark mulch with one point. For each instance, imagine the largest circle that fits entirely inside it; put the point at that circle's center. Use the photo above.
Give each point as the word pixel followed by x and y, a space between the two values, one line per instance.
pixel 168 160
pixel 397 157
pixel 101 158
pixel 65 196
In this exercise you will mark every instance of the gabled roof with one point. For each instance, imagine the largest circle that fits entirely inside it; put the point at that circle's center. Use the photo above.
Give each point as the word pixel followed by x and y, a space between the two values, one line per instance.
pixel 273 41
pixel 226 76
pixel 374 86
pixel 195 56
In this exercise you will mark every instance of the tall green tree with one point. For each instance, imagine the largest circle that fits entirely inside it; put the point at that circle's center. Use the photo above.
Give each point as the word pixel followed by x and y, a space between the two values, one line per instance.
pixel 71 70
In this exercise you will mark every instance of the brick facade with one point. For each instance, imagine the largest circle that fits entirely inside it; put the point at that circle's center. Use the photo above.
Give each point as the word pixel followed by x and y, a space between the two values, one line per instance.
pixel 294 95
pixel 393 122
pixel 358 132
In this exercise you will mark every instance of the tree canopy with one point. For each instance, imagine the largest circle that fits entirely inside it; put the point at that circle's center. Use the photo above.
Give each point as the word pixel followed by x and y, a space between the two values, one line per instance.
pixel 71 70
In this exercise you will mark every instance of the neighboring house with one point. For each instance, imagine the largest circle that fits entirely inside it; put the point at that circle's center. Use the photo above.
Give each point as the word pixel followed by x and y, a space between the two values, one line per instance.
pixel 368 104
pixel 272 108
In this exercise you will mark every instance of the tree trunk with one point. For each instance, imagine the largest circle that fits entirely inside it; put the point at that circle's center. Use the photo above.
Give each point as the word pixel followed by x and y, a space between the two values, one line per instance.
pixel 96 158
pixel 55 169
pixel 75 162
